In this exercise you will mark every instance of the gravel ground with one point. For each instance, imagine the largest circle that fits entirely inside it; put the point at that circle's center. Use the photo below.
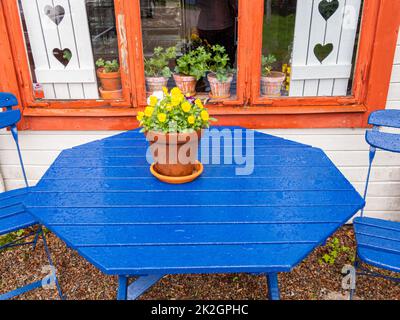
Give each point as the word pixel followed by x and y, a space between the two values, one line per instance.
pixel 79 280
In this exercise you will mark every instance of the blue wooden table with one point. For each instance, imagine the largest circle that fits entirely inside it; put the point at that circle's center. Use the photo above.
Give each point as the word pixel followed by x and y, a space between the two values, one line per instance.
pixel 101 199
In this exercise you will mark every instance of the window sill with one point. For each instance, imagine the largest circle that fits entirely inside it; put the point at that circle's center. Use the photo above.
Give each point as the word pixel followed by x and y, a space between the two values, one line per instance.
pixel 214 110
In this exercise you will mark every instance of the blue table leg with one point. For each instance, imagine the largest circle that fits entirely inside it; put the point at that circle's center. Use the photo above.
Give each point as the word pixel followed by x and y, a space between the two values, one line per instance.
pixel 122 287
pixel 273 286
pixel 142 284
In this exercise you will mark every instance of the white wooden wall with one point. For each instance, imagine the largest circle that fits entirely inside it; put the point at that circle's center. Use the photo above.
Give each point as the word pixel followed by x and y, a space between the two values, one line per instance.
pixel 329 77
pixel 49 31
pixel 346 148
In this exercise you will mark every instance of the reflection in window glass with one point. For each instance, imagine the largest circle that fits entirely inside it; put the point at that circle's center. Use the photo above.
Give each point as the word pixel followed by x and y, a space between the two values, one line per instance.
pixel 191 44
pixel 309 47
pixel 65 42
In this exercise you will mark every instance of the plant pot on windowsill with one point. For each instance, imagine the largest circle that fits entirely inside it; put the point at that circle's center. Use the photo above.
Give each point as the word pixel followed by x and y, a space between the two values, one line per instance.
pixel 187 84
pixel 155 84
pixel 220 89
pixel 110 81
pixel 271 85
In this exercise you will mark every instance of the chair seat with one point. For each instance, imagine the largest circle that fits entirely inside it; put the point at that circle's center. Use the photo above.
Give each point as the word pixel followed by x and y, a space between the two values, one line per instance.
pixel 13 216
pixel 378 242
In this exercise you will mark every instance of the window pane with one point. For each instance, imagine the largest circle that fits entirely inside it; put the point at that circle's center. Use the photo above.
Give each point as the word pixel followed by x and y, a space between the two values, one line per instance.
pixel 199 31
pixel 309 47
pixel 64 39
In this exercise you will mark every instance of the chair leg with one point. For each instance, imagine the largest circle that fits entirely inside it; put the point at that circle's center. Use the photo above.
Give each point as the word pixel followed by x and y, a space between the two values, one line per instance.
pixel 35 240
pixel 46 248
pixel 353 290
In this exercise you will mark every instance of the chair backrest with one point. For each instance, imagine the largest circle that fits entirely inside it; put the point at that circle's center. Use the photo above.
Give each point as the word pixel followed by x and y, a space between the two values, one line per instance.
pixel 9 119
pixel 381 140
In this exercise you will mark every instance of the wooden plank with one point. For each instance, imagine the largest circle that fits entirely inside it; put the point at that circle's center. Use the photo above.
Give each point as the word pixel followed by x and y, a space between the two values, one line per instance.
pixel 321 72
pixel 77 76
pixel 180 215
pixel 394 91
pixel 211 171
pixel 209 184
pixel 333 32
pixel 193 199
pixel 193 234
pixel 300 48
pixel 395 73
pixel 84 46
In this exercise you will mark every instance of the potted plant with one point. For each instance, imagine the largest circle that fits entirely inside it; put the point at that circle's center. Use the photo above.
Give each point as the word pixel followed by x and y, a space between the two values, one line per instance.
pixel 173 125
pixel 271 81
pixel 157 69
pixel 110 78
pixel 190 68
pixel 221 75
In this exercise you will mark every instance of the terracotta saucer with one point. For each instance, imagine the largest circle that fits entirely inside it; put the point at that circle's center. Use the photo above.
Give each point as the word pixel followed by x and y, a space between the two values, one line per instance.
pixel 178 180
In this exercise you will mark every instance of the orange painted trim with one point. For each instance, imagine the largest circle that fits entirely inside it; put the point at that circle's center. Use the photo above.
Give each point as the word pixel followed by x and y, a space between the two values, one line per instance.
pixel 381 20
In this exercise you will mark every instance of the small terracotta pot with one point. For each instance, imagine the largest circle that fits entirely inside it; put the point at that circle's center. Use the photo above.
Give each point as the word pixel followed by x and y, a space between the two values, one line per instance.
pixel 109 81
pixel 187 84
pixel 271 85
pixel 110 95
pixel 219 89
pixel 156 83
pixel 174 154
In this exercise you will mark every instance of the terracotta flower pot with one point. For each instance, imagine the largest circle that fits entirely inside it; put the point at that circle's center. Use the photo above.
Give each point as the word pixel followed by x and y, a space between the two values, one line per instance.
pixel 187 84
pixel 272 85
pixel 219 89
pixel 110 95
pixel 109 81
pixel 156 83
pixel 174 154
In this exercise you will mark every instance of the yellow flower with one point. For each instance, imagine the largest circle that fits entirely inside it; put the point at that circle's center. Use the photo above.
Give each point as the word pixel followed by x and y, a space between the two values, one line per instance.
pixel 148 112
pixel 168 107
pixel 186 106
pixel 204 115
pixel 199 103
pixel 153 101
pixel 140 115
pixel 165 90
pixel 191 119
pixel 176 92
pixel 162 117
pixel 176 99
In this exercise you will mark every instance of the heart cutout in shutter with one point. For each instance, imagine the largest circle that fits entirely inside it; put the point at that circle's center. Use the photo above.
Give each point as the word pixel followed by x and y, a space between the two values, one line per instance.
pixel 323 51
pixel 56 14
pixel 64 56
pixel 328 8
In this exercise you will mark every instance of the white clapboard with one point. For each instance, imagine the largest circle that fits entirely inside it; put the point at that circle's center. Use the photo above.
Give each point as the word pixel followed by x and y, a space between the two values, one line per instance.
pixel 332 34
pixel 56 26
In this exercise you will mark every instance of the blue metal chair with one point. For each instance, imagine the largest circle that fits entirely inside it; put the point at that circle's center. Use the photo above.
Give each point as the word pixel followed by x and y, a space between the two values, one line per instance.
pixel 378 241
pixel 13 216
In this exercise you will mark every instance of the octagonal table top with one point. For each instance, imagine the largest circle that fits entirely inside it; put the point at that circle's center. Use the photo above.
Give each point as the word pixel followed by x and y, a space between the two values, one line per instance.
pixel 101 199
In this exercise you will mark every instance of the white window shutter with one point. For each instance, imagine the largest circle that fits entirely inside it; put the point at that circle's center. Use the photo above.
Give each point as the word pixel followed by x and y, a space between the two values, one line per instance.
pixel 336 34
pixel 60 25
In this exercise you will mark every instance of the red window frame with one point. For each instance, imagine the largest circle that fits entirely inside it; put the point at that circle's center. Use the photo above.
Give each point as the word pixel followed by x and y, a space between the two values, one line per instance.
pixel 380 23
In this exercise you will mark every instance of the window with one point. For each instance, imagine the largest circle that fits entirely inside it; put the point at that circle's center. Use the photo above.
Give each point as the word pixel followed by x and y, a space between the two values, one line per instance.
pixel 309 47
pixel 64 41
pixel 180 39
